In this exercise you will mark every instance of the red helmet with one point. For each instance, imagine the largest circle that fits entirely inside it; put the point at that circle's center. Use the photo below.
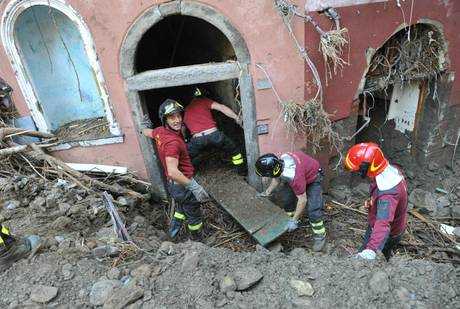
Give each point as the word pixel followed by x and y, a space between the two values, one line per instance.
pixel 367 159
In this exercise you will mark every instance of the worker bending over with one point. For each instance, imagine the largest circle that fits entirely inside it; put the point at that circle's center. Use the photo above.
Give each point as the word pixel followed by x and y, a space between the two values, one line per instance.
pixel 178 169
pixel 303 176
pixel 387 206
pixel 13 249
pixel 203 128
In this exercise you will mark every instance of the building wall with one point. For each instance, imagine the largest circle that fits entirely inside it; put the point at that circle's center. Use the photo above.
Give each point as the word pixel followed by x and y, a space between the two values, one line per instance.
pixel 269 44
pixel 258 23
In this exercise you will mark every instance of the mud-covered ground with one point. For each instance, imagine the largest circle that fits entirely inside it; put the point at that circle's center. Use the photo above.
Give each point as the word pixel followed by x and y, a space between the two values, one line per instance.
pixel 71 271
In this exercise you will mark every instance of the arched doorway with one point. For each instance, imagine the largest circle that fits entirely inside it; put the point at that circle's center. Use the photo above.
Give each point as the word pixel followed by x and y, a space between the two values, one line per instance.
pixel 178 44
pixel 53 55
pixel 405 90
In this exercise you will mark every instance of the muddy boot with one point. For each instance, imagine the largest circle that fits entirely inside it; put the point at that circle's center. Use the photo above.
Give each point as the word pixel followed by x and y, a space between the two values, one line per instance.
pixel 174 228
pixel 197 235
pixel 319 242
pixel 15 251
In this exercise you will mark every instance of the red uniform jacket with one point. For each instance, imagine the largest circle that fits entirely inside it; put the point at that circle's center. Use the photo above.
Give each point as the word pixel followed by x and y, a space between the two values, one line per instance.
pixel 171 144
pixel 387 214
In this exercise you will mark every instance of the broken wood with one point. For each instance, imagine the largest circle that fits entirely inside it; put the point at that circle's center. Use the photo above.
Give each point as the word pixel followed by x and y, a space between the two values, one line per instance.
pixel 76 174
pixel 9 131
pixel 12 150
pixel 343 206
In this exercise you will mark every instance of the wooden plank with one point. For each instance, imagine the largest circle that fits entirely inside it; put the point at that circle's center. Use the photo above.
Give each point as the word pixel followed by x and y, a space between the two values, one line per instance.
pixel 184 75
pixel 262 219
pixel 98 168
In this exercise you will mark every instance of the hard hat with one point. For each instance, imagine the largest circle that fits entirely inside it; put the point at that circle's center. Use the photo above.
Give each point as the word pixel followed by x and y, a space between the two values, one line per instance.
pixel 366 158
pixel 169 107
pixel 269 165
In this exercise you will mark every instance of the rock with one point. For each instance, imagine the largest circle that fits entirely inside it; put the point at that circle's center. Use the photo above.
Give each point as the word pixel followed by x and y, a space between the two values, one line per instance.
pixel 123 201
pixel 190 261
pixel 303 288
pixel 43 294
pixel 362 189
pixel 103 251
pixel 91 244
pixel 140 220
pixel 410 174
pixel 442 202
pixel 67 271
pixel 123 297
pixel 102 290
pixel 380 283
pixel 261 249
pixel 61 223
pixel 64 207
pixel 455 211
pixel 11 204
pixel 276 247
pixel 423 199
pixel 457 231
pixel 51 201
pixel 227 284
pixel 167 247
pixel 433 166
pixel 114 273
pixel 143 271
pixel 246 277
pixel 339 193
pixel 106 233
pixel 301 302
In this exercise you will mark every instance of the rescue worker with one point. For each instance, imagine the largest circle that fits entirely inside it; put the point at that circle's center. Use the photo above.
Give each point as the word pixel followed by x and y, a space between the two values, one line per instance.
pixel 298 177
pixel 12 249
pixel 178 169
pixel 202 126
pixel 387 206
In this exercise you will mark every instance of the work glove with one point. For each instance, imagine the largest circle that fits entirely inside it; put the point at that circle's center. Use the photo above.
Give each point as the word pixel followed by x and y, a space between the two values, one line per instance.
pixel 262 194
pixel 239 120
pixel 367 254
pixel 292 225
pixel 198 191
pixel 146 123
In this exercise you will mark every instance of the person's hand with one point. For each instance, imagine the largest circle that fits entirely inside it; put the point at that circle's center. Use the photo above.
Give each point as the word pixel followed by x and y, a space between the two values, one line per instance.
pixel 262 194
pixel 367 254
pixel 239 120
pixel 292 225
pixel 368 203
pixel 146 123
pixel 198 191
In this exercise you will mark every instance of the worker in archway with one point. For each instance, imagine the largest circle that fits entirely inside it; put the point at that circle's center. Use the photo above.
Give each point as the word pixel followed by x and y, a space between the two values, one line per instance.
pixel 204 132
pixel 298 178
pixel 178 169
pixel 387 205
pixel 13 249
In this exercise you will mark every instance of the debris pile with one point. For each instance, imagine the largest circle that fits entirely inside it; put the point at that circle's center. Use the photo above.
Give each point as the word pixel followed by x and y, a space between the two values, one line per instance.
pixel 416 52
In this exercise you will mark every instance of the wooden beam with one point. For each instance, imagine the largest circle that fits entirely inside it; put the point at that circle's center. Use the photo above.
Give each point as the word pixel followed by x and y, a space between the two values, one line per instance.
pixel 319 5
pixel 185 75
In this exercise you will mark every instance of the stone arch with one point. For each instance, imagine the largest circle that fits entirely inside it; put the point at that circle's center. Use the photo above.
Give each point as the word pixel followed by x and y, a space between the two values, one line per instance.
pixel 127 66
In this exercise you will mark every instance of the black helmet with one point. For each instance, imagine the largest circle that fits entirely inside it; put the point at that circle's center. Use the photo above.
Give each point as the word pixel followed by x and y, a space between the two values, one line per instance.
pixel 269 165
pixel 169 107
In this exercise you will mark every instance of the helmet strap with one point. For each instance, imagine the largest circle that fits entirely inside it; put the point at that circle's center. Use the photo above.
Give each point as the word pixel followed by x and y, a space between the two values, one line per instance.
pixel 363 168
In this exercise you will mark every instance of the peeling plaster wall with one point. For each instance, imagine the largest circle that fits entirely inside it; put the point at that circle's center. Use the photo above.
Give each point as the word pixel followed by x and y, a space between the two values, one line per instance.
pixel 260 26
pixel 269 43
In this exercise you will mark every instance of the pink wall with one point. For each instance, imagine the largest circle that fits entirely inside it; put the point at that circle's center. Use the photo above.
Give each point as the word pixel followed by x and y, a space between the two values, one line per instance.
pixel 268 43
pixel 370 26
pixel 109 20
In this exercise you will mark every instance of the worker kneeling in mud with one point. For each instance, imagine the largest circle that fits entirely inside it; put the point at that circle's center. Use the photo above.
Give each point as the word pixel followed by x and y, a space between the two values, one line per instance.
pixel 387 206
pixel 13 249
pixel 178 169
pixel 203 128
pixel 297 178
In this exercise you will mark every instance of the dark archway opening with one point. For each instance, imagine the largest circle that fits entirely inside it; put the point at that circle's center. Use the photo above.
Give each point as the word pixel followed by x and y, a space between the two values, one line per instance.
pixel 181 41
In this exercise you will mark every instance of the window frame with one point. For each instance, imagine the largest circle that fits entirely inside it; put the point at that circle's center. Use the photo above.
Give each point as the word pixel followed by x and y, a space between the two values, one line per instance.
pixel 9 17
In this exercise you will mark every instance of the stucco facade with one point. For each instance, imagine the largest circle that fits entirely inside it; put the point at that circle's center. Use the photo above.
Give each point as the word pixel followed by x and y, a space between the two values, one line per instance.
pixel 268 43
